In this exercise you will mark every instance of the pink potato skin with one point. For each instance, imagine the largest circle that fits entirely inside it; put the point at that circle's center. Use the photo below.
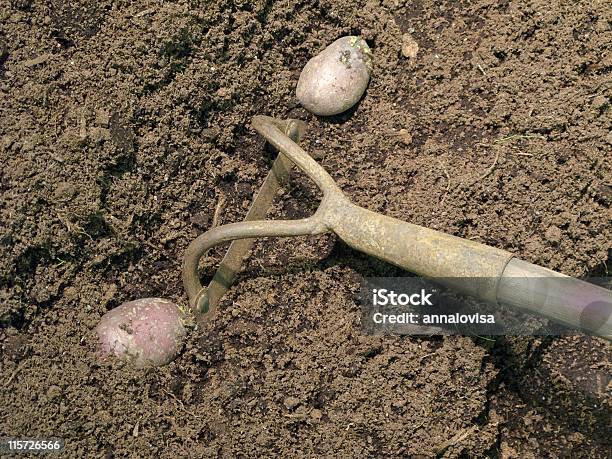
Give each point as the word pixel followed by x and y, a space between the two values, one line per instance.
pixel 146 332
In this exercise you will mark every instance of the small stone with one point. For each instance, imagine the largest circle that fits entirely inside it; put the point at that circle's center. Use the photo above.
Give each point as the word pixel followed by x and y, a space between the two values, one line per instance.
pixel 201 220
pixel 209 134
pixel 291 402
pixel 64 191
pixel 401 403
pixel 335 79
pixel 600 101
pixel 410 47
pixel 224 93
pixel 109 294
pixel 37 60
pixel 553 234
pixel 102 118
pixel 40 293
pixel 252 403
pixel 405 136
pixel 53 392
pixel 316 414
pixel 7 142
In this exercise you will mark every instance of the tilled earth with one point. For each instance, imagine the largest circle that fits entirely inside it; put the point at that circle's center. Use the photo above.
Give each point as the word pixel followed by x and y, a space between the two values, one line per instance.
pixel 124 133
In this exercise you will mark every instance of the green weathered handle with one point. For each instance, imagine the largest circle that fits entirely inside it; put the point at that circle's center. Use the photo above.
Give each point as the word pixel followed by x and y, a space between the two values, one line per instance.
pixel 420 250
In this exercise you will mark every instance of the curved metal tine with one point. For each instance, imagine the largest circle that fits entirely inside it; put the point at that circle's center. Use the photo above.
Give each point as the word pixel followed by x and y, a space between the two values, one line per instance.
pixel 198 295
pixel 232 261
pixel 270 129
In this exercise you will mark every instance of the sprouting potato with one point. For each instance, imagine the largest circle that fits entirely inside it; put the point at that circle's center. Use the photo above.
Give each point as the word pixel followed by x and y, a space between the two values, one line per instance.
pixel 335 79
pixel 146 332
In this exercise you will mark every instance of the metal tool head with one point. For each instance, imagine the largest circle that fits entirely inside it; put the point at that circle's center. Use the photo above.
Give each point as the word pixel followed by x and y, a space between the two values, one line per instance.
pixel 205 299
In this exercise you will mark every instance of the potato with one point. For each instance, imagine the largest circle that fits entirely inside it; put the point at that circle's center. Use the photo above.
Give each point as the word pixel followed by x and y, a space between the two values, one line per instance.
pixel 146 332
pixel 335 79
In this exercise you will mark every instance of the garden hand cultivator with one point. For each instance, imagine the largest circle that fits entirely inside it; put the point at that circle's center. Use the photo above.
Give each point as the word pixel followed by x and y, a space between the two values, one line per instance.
pixel 484 272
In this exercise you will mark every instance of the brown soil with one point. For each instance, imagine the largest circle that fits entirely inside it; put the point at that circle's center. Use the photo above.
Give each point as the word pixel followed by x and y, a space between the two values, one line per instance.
pixel 124 125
